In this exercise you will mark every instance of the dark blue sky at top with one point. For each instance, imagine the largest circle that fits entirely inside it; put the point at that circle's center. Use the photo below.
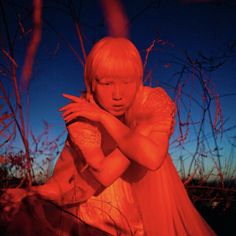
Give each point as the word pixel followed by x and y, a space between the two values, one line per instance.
pixel 194 28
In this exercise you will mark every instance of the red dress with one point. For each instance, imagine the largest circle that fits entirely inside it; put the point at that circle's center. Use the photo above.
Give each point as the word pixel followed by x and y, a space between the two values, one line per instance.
pixel 161 197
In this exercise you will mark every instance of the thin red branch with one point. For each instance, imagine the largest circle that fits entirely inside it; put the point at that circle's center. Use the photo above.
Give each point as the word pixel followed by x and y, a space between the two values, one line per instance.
pixel 33 45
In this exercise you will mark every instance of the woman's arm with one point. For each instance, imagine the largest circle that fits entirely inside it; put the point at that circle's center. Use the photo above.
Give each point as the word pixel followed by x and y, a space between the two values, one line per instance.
pixel 147 148
pixel 85 140
pixel 141 145
pixel 58 184
pixel 106 169
pixel 67 178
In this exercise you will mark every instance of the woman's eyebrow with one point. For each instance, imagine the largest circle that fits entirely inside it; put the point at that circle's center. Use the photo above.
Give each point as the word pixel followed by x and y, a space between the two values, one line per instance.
pixel 104 79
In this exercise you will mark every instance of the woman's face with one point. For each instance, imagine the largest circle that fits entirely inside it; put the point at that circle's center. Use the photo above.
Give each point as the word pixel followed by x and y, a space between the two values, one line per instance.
pixel 115 95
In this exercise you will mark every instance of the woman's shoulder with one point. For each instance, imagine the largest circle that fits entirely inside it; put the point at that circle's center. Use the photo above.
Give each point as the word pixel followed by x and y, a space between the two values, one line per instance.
pixel 151 104
pixel 159 110
pixel 157 100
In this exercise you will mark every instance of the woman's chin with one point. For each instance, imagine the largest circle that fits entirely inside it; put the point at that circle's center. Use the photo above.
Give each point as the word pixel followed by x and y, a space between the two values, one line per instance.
pixel 117 112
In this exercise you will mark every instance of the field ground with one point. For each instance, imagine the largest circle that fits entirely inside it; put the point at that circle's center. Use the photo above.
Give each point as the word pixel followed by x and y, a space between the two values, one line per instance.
pixel 216 204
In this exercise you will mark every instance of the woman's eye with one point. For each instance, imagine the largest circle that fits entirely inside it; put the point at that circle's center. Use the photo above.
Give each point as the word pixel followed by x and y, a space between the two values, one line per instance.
pixel 103 82
pixel 106 83
pixel 128 81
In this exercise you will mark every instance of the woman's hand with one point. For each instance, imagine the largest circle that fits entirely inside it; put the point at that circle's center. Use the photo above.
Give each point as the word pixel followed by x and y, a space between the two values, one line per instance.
pixel 84 133
pixel 82 108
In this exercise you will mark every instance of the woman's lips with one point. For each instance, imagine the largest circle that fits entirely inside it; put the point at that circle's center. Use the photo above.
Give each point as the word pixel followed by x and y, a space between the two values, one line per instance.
pixel 119 107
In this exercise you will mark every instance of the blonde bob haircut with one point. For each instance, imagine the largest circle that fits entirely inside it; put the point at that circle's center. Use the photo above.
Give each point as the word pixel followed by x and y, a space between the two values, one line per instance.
pixel 112 57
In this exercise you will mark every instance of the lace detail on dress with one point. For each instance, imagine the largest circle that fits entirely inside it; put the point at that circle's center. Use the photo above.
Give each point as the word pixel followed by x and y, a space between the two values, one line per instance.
pixel 157 111
pixel 161 110
pixel 85 135
pixel 159 101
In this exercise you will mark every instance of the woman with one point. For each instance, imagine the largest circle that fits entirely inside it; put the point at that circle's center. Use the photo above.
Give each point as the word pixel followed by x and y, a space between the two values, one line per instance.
pixel 135 123
pixel 115 163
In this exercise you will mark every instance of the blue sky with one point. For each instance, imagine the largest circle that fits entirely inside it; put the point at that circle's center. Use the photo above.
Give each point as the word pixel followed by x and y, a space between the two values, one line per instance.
pixel 193 28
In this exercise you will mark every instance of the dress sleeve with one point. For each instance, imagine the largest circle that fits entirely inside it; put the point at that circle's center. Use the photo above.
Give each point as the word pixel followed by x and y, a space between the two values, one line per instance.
pixel 160 111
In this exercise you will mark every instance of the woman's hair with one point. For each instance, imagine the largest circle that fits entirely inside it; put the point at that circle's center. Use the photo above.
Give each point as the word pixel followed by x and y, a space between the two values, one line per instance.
pixel 112 57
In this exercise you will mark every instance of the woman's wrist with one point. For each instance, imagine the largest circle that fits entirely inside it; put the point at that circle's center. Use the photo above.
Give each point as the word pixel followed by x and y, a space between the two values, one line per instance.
pixel 118 130
pixel 105 117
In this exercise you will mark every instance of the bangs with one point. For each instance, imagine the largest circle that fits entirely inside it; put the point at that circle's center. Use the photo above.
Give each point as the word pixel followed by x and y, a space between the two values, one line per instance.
pixel 116 64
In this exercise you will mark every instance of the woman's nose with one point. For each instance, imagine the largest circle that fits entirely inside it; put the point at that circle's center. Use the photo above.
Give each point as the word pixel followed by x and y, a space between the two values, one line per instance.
pixel 116 95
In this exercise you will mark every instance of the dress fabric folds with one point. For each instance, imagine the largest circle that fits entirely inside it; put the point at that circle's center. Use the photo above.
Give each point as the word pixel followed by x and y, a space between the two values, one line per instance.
pixel 113 211
pixel 165 206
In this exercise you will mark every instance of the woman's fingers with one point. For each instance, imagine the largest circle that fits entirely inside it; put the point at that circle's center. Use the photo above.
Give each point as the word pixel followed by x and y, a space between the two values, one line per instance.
pixel 71 109
pixel 76 105
pixel 74 115
pixel 70 112
pixel 79 100
pixel 80 108
pixel 71 106
pixel 71 97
